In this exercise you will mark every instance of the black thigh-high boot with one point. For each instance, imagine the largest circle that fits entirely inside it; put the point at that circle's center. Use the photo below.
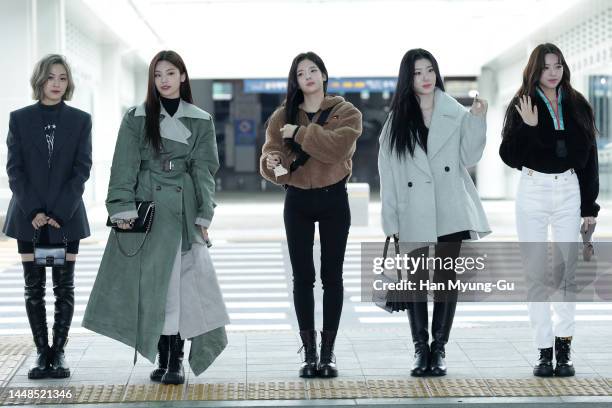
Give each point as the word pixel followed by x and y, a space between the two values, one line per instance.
pixel 63 289
pixel 34 294
pixel 163 353
pixel 175 373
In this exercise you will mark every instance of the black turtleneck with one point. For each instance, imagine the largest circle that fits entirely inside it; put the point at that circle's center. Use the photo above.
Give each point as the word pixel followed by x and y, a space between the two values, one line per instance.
pixel 170 105
pixel 50 113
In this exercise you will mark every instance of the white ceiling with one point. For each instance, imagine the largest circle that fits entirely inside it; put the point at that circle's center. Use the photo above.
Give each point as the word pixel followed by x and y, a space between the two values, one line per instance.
pixel 251 39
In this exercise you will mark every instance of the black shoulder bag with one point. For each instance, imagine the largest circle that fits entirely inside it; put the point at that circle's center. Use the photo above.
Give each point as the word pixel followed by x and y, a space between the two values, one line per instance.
pixel 302 156
pixel 142 225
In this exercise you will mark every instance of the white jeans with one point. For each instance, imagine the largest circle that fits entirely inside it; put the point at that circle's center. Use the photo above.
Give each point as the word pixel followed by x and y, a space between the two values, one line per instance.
pixel 545 200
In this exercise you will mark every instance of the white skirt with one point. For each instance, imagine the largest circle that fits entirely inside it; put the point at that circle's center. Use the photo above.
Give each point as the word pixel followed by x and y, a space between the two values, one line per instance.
pixel 194 304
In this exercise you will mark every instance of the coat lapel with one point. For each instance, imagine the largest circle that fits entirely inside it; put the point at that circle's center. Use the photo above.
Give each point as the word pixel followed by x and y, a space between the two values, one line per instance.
pixel 443 123
pixel 420 160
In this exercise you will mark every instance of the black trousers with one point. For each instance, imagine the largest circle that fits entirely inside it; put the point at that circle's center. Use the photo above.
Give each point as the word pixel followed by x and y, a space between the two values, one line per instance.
pixel 329 207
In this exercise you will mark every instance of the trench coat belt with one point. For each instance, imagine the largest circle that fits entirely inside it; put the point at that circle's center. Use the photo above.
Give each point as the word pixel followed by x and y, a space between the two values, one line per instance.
pixel 166 166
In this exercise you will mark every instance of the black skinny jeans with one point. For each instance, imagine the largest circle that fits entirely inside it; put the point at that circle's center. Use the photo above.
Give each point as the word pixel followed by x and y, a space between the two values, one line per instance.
pixel 329 207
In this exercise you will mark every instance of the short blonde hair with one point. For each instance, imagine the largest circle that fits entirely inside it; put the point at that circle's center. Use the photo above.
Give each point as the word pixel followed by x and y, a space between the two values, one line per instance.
pixel 41 74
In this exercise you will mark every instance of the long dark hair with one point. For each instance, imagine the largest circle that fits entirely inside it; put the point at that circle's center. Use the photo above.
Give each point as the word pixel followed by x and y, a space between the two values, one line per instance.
pixel 407 126
pixel 579 108
pixel 295 96
pixel 152 103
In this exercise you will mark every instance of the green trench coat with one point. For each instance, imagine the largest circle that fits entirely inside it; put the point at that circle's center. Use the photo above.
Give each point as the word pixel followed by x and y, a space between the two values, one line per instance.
pixel 128 299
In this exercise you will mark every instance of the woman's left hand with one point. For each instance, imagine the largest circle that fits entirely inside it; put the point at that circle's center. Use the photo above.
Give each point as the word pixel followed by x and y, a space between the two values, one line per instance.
pixel 479 106
pixel 53 223
pixel 204 231
pixel 288 130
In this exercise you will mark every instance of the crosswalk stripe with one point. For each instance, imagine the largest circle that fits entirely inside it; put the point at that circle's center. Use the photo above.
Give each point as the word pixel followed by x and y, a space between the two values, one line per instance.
pixel 256 305
pixel 258 316
pixel 253 286
pixel 490 319
pixel 255 295
pixel 257 327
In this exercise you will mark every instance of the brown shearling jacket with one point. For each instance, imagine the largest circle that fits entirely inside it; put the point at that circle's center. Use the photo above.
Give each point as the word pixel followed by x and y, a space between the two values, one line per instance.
pixel 330 146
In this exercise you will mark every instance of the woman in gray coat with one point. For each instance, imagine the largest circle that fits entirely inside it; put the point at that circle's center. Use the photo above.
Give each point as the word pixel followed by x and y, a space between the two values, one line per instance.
pixel 427 195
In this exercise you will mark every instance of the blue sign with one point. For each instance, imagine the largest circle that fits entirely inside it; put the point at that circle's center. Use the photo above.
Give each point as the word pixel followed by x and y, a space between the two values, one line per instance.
pixel 245 132
pixel 279 86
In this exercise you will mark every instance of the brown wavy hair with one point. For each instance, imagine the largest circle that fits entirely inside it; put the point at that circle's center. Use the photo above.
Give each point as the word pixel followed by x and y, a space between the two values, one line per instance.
pixel 152 103
pixel 578 108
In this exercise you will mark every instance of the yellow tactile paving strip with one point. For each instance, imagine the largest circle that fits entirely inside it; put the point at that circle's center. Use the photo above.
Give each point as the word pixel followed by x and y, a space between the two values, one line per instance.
pixel 13 354
pixel 331 389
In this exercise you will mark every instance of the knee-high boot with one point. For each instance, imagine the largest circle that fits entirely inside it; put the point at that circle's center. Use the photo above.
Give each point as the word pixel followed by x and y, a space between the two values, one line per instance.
pixel 417 316
pixel 441 324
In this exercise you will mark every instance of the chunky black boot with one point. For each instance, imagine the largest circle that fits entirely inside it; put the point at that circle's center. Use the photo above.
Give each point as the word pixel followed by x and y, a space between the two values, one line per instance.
pixel 563 349
pixel 417 316
pixel 163 352
pixel 175 374
pixel 34 294
pixel 544 366
pixel 327 365
pixel 63 289
pixel 442 322
pixel 308 369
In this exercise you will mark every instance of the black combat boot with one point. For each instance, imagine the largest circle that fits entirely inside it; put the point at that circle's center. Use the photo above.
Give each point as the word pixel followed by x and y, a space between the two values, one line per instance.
pixel 563 350
pixel 163 352
pixel 544 366
pixel 308 369
pixel 175 374
pixel 327 366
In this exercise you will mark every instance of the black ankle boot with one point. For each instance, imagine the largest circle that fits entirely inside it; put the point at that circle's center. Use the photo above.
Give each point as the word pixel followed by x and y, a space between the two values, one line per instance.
pixel 163 352
pixel 63 289
pixel 442 322
pixel 417 316
pixel 34 294
pixel 327 366
pixel 563 349
pixel 175 374
pixel 544 367
pixel 308 369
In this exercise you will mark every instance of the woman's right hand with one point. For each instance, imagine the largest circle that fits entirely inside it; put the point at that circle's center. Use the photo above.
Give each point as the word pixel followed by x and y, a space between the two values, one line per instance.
pixel 125 224
pixel 528 112
pixel 272 160
pixel 40 220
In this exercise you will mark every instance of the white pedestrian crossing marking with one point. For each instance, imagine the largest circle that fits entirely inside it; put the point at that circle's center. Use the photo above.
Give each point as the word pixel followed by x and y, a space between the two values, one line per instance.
pixel 256 284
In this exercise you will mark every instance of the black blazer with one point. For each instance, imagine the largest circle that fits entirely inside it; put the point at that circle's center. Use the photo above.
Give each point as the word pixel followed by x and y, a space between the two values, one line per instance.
pixel 56 191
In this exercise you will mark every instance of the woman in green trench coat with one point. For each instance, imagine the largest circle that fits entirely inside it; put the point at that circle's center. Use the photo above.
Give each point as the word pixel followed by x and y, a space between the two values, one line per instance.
pixel 168 291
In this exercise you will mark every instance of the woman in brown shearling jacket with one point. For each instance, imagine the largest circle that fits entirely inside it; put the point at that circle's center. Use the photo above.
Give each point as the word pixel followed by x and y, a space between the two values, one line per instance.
pixel 310 140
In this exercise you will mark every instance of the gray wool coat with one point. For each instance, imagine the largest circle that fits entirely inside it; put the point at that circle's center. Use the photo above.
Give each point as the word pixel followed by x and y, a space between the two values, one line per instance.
pixel 432 194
